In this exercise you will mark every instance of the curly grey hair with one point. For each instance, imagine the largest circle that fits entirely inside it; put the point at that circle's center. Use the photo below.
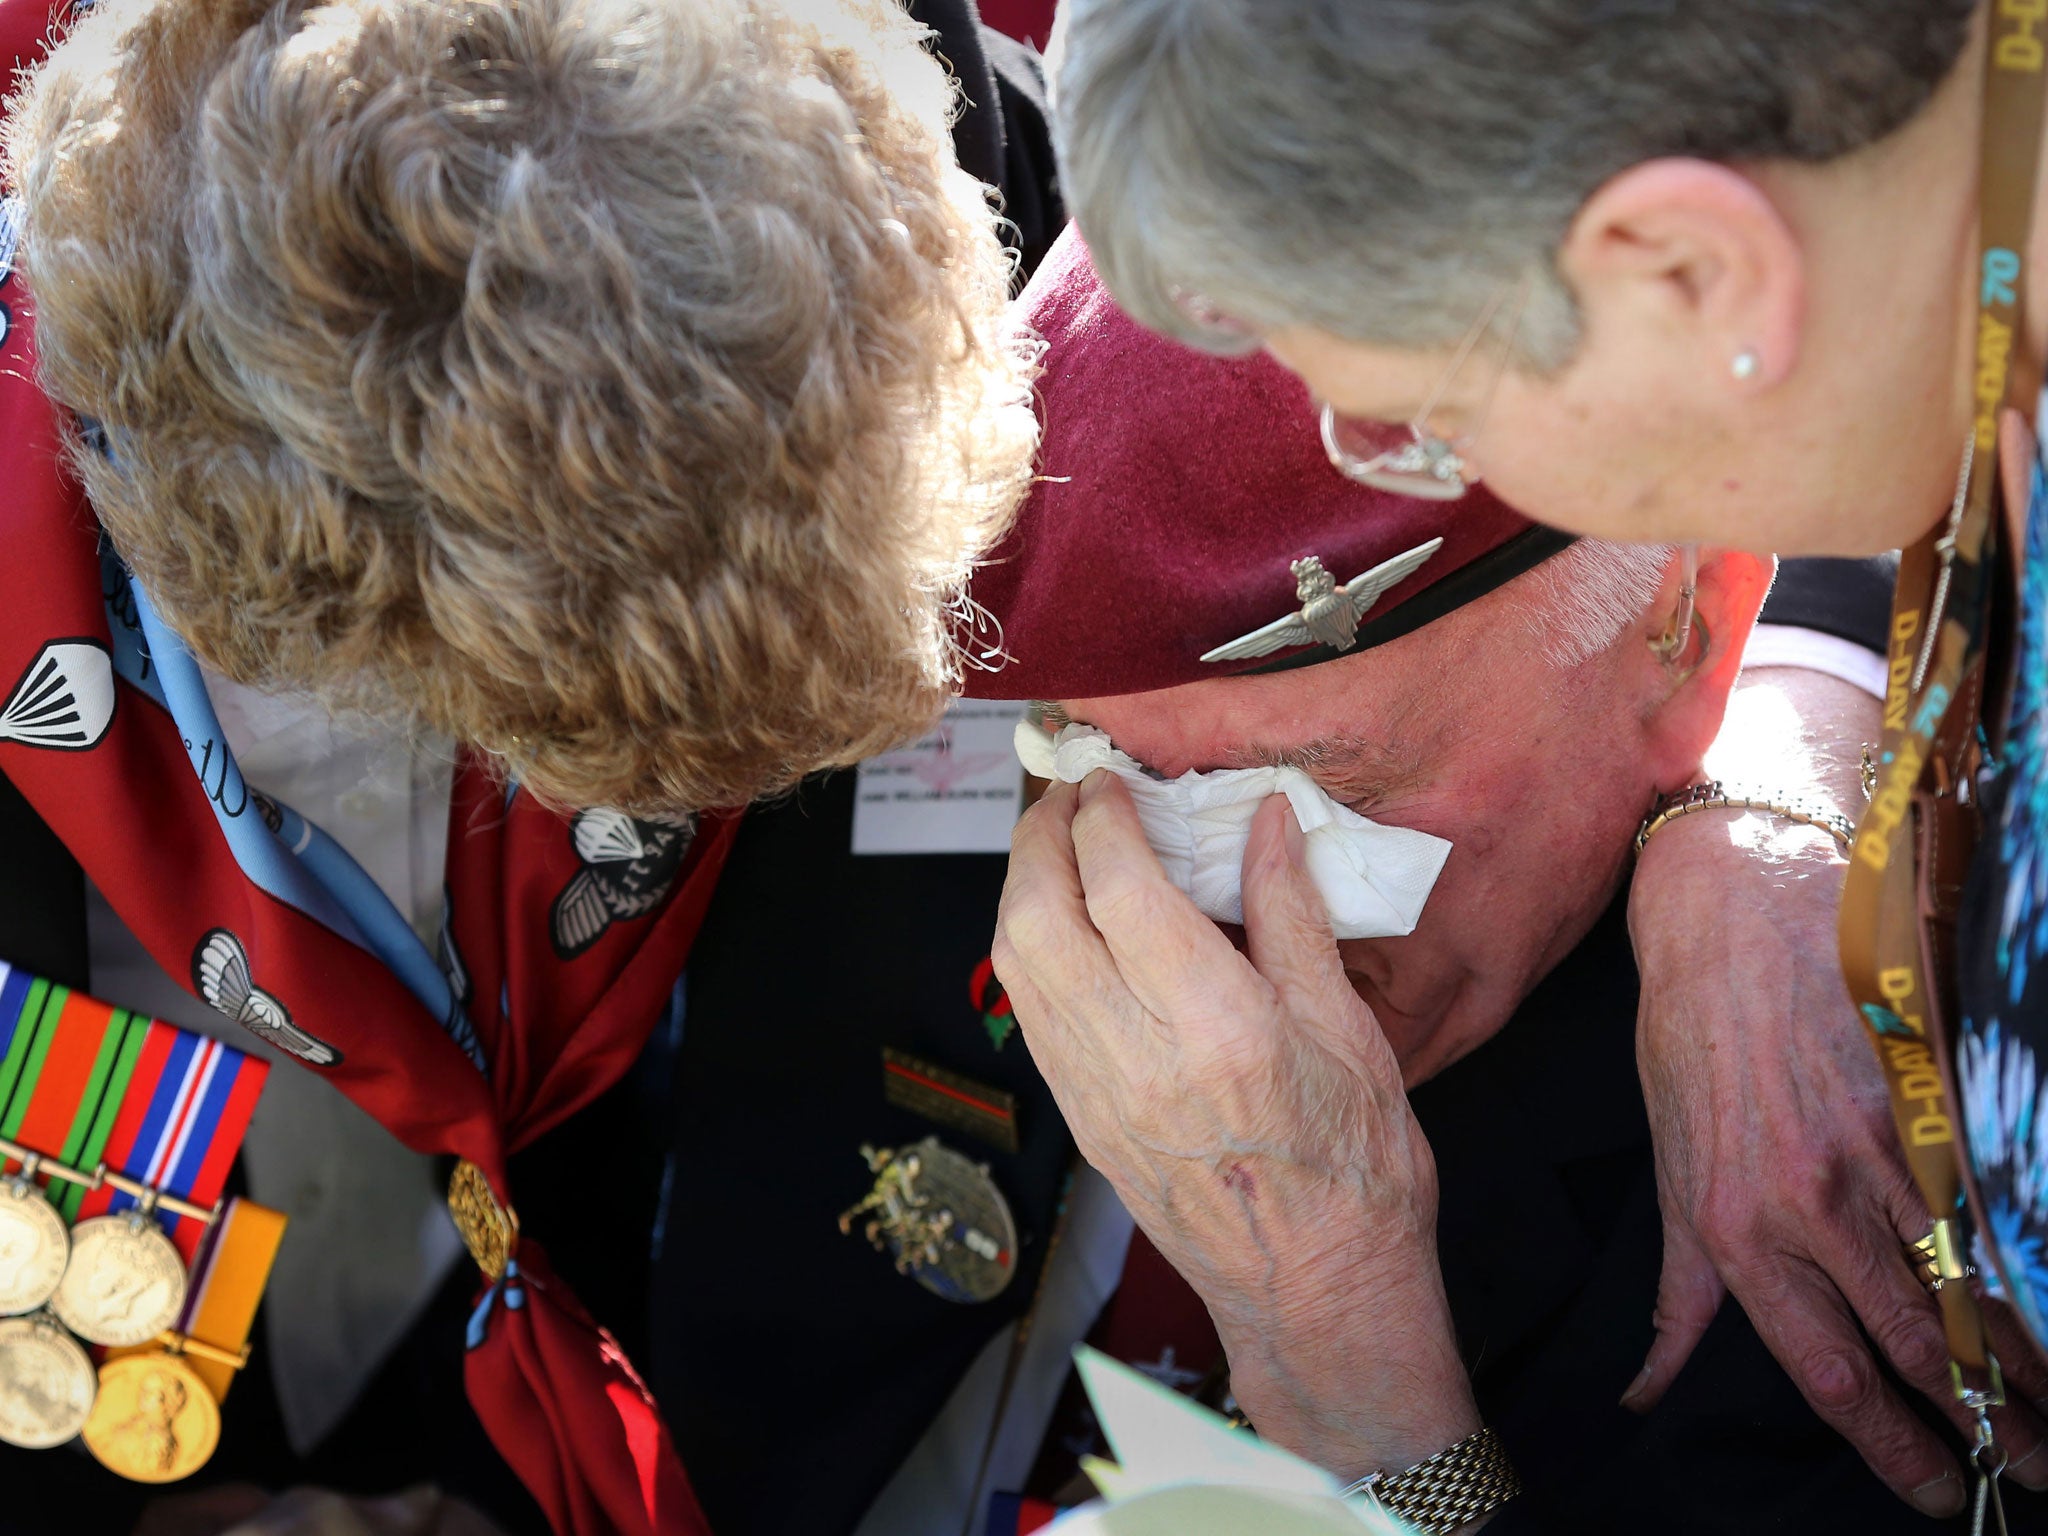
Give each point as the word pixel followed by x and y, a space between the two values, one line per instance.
pixel 621 387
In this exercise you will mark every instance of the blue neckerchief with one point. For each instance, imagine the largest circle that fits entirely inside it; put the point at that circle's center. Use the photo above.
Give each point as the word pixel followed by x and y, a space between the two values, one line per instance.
pixel 283 854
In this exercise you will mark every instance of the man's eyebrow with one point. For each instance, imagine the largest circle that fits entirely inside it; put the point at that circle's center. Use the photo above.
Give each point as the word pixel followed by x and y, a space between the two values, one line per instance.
pixel 1351 768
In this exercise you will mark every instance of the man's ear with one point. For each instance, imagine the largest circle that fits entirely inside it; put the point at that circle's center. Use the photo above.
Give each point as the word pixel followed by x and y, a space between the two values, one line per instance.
pixel 1691 688
pixel 1693 258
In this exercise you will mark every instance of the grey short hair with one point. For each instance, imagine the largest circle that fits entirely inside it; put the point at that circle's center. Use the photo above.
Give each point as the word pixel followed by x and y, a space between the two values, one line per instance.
pixel 1580 602
pixel 1384 170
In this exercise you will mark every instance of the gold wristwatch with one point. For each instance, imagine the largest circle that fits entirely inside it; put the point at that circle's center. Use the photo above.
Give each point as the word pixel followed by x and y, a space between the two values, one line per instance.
pixel 1451 1489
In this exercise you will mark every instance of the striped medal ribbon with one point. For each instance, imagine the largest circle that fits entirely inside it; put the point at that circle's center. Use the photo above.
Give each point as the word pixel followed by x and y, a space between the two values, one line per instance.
pixel 84 1083
pixel 106 1097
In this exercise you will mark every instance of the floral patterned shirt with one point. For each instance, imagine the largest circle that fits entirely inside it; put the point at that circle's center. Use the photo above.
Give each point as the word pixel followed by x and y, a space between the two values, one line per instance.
pixel 2002 1046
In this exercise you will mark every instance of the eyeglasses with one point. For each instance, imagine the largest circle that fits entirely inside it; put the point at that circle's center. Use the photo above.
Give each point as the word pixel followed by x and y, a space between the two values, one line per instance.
pixel 1413 460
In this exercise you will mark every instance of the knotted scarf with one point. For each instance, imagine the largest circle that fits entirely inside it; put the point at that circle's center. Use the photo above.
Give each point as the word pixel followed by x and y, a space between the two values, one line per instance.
pixel 562 945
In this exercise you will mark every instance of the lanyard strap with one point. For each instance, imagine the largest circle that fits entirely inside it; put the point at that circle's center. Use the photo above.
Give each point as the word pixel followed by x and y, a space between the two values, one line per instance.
pixel 1899 900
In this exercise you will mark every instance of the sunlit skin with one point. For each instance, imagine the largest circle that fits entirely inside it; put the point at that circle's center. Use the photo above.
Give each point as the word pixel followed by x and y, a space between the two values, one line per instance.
pixel 1192 1074
pixel 1852 283
pixel 1536 774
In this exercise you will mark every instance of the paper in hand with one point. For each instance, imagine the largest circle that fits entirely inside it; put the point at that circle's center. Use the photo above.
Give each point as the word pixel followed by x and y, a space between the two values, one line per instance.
pixel 1182 1471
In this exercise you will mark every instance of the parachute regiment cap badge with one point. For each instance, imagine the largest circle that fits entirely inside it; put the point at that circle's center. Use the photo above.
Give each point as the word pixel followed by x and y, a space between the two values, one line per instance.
pixel 1329 614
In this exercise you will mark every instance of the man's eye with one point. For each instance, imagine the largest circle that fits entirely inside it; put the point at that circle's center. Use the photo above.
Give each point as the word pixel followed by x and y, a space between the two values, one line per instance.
pixel 1354 796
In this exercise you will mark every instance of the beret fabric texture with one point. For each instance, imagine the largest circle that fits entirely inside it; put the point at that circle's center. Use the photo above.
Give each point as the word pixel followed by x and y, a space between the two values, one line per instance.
pixel 1175 490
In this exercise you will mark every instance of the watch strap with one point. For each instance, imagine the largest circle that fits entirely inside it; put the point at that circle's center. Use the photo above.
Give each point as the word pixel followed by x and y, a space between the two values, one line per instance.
pixel 1456 1486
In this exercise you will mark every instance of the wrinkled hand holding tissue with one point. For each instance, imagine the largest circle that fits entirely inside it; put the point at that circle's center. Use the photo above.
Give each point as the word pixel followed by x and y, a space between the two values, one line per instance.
pixel 1182 1471
pixel 1373 879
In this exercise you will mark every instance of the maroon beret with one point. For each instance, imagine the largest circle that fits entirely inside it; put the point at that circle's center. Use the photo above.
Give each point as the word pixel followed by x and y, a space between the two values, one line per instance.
pixel 1176 492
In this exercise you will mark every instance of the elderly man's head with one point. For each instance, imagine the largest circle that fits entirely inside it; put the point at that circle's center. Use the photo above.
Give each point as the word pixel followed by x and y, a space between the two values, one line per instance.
pixel 618 386
pixel 1520 696
pixel 1531 728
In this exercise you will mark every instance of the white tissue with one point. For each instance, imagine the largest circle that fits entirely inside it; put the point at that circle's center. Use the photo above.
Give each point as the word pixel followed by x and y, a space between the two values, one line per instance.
pixel 1373 879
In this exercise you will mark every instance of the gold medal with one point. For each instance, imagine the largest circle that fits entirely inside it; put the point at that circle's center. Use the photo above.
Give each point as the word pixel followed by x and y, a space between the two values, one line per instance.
pixel 488 1229
pixel 125 1283
pixel 155 1421
pixel 942 1219
pixel 34 1246
pixel 46 1383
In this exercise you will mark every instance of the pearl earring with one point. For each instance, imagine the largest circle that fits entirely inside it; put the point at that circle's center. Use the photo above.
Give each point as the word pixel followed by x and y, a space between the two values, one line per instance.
pixel 1745 365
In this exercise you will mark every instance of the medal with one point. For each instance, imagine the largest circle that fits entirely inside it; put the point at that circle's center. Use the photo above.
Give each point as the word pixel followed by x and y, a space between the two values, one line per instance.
pixel 941 1218
pixel 119 1091
pixel 959 1103
pixel 155 1421
pixel 488 1229
pixel 125 1283
pixel 34 1244
pixel 46 1384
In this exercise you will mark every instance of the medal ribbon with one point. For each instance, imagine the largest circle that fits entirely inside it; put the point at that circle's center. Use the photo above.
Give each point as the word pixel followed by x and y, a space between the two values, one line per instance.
pixel 81 1082
pixel 1894 947
pixel 181 1123
pixel 227 1286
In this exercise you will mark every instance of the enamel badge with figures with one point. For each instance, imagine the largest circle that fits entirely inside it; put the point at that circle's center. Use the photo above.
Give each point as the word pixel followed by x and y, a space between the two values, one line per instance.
pixel 34 1245
pixel 46 1384
pixel 941 1218
pixel 125 1283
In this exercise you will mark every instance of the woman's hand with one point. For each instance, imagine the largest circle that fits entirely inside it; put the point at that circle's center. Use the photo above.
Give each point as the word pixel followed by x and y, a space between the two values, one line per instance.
pixel 1778 1163
pixel 1250 1113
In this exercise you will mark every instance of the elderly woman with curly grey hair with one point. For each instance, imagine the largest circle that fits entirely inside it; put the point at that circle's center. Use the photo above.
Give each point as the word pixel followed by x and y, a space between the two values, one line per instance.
pixel 620 390
pixel 451 450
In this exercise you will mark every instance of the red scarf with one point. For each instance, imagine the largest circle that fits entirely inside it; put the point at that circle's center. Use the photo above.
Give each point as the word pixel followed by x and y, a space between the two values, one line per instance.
pixel 561 1402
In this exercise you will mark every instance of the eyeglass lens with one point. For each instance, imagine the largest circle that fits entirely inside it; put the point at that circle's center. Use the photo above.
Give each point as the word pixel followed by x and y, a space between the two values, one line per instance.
pixel 1412 460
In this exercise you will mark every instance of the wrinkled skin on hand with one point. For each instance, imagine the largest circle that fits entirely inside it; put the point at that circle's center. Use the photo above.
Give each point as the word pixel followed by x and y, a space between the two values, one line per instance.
pixel 1249 1112
pixel 1779 1167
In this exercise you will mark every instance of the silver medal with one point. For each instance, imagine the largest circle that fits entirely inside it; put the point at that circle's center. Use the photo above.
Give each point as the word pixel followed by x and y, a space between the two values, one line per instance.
pixel 125 1283
pixel 34 1246
pixel 47 1383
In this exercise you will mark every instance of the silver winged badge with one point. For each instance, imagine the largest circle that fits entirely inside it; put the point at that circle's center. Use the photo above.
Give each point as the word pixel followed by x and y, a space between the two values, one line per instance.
pixel 220 971
pixel 1329 614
